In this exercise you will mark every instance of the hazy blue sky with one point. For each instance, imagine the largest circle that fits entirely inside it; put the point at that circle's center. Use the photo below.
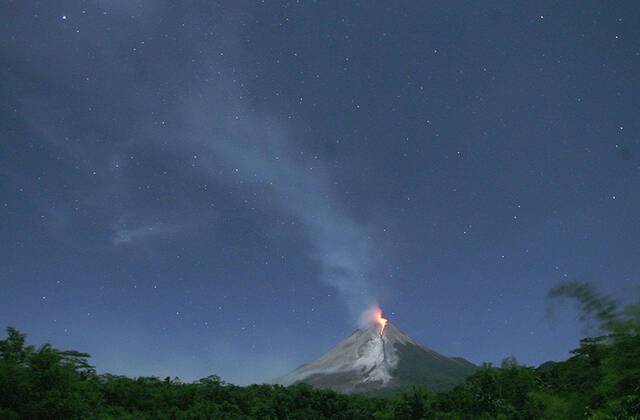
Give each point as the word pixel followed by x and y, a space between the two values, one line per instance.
pixel 206 187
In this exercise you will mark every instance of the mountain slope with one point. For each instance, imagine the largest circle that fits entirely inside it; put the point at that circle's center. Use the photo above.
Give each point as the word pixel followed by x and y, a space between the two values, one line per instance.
pixel 368 361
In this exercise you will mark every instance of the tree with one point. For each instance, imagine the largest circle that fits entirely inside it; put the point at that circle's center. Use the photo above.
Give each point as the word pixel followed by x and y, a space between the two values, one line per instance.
pixel 12 349
pixel 509 362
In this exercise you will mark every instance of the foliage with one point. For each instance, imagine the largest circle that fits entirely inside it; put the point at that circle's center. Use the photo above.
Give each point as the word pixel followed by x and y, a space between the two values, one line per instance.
pixel 600 381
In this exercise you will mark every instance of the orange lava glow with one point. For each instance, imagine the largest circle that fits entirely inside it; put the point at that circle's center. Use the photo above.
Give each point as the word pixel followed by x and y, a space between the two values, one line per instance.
pixel 382 322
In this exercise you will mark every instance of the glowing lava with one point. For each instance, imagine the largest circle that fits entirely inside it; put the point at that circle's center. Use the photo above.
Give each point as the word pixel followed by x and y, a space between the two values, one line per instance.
pixel 377 317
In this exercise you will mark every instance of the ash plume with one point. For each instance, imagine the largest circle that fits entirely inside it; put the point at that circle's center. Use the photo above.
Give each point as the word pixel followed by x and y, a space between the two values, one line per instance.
pixel 258 151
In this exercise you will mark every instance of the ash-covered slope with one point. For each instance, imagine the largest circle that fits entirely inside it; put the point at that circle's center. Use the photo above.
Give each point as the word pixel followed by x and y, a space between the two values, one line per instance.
pixel 368 361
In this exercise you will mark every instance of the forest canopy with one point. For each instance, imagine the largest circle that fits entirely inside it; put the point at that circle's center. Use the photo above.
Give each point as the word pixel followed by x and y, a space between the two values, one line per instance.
pixel 600 380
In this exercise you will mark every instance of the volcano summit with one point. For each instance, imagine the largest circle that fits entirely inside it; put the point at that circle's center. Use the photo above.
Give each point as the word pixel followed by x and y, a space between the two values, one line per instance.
pixel 375 358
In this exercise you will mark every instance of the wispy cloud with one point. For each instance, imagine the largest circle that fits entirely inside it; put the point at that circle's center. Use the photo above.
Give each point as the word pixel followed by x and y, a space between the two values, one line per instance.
pixel 127 231
pixel 258 151
pixel 244 148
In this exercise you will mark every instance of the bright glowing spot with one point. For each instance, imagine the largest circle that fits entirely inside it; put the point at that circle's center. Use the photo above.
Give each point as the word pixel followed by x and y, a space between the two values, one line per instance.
pixel 382 322
pixel 373 316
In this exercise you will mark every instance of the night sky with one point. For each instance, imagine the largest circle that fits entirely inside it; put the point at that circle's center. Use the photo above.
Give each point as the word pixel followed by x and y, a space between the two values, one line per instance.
pixel 196 188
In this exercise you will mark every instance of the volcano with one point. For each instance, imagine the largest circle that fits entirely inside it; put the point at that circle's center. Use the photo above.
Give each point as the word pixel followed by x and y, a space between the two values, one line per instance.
pixel 377 358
